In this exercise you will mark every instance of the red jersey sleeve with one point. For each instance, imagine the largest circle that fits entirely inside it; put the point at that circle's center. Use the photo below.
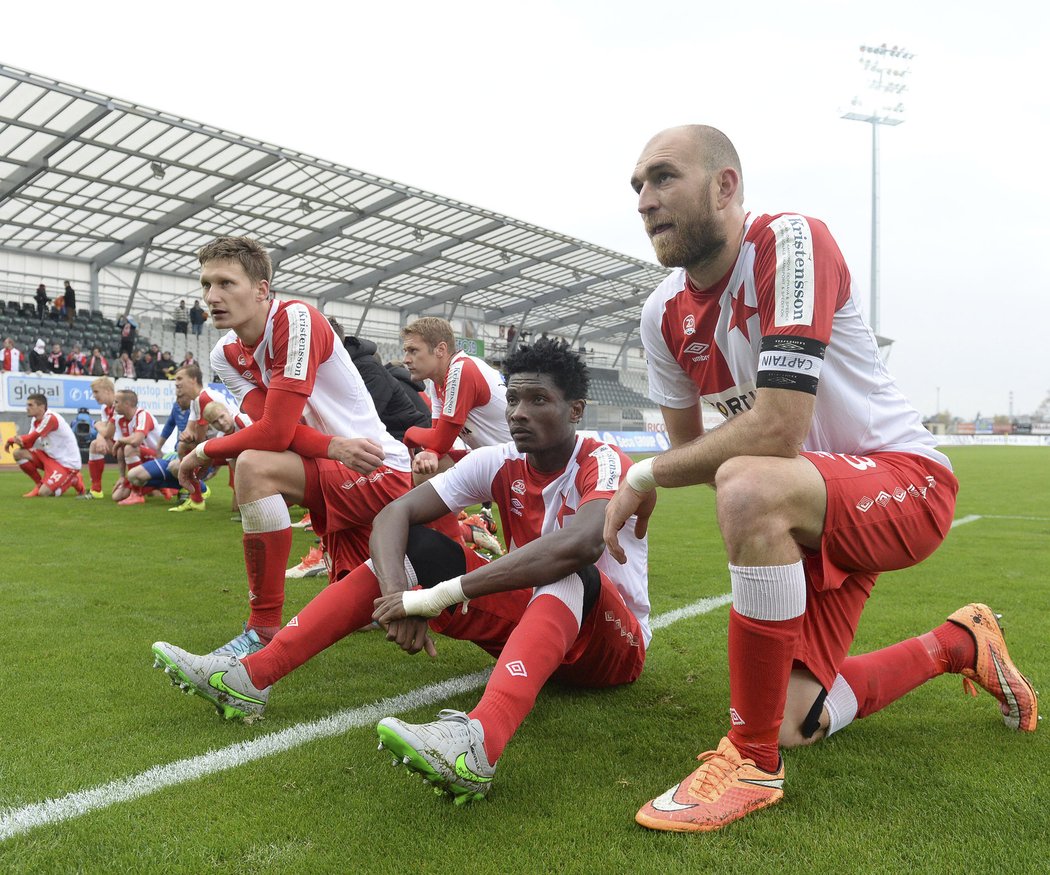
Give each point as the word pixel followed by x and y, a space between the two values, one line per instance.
pixel 302 339
pixel 465 389
pixel 601 470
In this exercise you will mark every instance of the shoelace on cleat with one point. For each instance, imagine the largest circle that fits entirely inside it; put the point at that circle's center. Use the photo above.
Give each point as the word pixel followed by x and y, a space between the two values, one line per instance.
pixel 716 773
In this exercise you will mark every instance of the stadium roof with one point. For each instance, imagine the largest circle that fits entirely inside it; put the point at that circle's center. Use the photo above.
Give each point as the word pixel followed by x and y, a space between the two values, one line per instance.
pixel 102 181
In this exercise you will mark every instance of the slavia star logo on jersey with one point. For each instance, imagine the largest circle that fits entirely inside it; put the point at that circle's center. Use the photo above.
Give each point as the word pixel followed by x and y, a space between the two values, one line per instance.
pixel 741 313
pixel 563 512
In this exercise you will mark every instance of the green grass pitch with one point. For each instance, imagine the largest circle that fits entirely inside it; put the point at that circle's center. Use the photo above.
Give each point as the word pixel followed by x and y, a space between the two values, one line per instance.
pixel 935 783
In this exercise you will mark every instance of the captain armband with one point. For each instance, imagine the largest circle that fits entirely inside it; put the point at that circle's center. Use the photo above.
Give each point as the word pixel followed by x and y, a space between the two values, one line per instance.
pixel 789 362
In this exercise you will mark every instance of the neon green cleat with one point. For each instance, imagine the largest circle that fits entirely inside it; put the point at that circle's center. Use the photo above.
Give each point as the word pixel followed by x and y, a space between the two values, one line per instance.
pixel 449 753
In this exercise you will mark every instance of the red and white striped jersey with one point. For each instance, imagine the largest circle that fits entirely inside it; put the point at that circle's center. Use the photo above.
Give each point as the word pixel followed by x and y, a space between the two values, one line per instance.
pixel 474 398
pixel 783 317
pixel 299 352
pixel 198 404
pixel 532 504
pixel 140 420
pixel 52 435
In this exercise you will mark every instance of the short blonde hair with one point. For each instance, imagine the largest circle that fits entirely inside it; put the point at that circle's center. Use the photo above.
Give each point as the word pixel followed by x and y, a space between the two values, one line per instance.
pixel 103 383
pixel 213 409
pixel 433 330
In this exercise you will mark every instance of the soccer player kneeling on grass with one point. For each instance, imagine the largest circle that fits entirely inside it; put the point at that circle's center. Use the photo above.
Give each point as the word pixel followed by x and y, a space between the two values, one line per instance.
pixel 49 446
pixel 555 606
pixel 824 472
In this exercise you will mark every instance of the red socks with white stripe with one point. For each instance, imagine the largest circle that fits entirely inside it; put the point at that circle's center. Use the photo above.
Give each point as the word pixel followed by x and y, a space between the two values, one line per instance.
pixel 267 543
pixel 765 625
pixel 532 654
pixel 96 465
pixel 339 609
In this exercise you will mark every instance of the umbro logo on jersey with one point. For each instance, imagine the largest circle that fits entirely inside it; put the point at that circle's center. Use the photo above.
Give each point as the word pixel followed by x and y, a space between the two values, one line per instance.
pixel 518 486
pixel 517 669
pixel 248 376
pixel 516 507
pixel 696 348
pixel 689 325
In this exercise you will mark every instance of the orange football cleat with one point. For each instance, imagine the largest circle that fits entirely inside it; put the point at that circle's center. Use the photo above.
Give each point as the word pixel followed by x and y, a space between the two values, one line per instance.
pixel 995 671
pixel 725 788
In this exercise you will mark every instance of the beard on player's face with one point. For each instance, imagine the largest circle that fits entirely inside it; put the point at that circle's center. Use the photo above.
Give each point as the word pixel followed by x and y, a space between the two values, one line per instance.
pixel 690 243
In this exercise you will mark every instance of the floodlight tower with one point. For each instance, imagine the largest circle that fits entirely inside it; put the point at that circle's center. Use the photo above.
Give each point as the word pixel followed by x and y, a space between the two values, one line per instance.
pixel 879 102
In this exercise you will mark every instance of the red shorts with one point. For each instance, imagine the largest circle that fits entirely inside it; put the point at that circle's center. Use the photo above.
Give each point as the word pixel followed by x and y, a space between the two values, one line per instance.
pixel 610 649
pixel 56 477
pixel 343 504
pixel 885 511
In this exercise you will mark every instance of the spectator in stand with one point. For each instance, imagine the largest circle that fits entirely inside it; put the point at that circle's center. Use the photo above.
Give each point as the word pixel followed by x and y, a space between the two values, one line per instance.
pixel 197 318
pixel 41 301
pixel 155 350
pixel 166 367
pixel 10 357
pixel 182 318
pixel 96 365
pixel 38 358
pixel 189 360
pixel 125 366
pixel 147 368
pixel 56 359
pixel 49 446
pixel 76 362
pixel 136 360
pixel 71 304
pixel 58 309
pixel 128 329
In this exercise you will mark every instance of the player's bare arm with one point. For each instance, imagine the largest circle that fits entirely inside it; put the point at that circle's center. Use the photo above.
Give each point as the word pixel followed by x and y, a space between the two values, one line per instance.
pixel 776 426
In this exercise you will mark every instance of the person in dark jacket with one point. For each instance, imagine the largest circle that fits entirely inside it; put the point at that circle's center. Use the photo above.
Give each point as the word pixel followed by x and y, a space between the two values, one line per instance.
pixel 417 390
pixel 393 402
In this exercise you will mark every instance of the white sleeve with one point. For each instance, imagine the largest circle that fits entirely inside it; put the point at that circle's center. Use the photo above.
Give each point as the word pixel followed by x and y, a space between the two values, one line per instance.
pixel 469 481
pixel 230 377
pixel 669 385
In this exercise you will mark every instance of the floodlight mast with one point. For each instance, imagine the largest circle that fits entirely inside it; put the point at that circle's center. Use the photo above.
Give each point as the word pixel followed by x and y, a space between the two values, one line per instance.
pixel 886 70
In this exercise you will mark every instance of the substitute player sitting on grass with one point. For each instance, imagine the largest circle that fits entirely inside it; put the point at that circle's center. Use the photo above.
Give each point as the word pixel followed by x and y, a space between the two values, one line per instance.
pixel 555 606
pixel 467 395
pixel 282 361
pixel 49 446
pixel 824 473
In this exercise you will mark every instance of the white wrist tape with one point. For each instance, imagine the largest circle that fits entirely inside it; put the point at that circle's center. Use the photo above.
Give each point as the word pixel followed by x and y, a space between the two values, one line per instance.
pixel 200 453
pixel 640 476
pixel 431 602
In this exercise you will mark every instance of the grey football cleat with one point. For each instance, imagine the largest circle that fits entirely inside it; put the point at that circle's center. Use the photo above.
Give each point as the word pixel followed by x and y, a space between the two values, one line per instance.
pixel 241 645
pixel 222 680
pixel 449 753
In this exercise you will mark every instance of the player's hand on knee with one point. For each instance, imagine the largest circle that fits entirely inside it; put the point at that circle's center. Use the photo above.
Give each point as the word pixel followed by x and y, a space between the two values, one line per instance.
pixel 358 454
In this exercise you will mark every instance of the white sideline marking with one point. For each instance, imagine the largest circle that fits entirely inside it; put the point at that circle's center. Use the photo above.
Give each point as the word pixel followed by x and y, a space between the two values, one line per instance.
pixel 14 821
pixel 962 521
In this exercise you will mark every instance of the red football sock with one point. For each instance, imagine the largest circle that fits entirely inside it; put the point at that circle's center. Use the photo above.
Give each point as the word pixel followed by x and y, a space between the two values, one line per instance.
pixel 882 677
pixel 265 560
pixel 533 652
pixel 196 496
pixel 95 469
pixel 760 657
pixel 29 469
pixel 336 611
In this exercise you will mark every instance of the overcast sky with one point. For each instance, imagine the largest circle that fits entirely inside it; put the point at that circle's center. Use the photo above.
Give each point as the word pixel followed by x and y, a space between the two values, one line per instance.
pixel 539 111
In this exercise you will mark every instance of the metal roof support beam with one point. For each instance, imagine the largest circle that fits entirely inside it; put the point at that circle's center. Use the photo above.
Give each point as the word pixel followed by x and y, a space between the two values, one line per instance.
pixel 584 315
pixel 558 294
pixel 599 333
pixel 93 289
pixel 38 164
pixel 367 307
pixel 405 265
pixel 492 279
pixel 513 345
pixel 307 242
pixel 138 275
pixel 172 219
pixel 623 348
